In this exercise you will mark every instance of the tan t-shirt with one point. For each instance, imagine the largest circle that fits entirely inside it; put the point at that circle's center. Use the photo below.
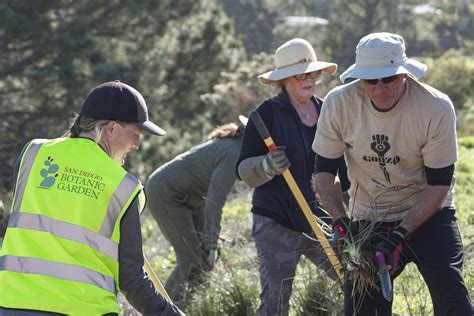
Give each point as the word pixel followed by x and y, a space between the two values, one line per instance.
pixel 386 151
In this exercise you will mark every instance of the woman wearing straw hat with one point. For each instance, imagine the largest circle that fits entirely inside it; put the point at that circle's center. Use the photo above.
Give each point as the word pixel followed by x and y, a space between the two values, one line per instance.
pixel 398 136
pixel 278 223
pixel 186 196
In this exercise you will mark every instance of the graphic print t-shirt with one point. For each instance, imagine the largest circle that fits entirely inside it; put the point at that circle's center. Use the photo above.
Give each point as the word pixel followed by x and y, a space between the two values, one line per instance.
pixel 386 152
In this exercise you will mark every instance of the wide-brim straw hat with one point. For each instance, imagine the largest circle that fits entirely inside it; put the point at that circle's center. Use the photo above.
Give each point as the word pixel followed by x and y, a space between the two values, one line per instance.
pixel 295 57
pixel 380 55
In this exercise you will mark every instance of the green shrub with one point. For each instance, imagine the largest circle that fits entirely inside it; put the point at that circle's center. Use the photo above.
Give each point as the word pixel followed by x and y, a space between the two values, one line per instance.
pixel 466 142
pixel 233 293
pixel 316 294
pixel 452 74
pixel 232 288
pixel 465 124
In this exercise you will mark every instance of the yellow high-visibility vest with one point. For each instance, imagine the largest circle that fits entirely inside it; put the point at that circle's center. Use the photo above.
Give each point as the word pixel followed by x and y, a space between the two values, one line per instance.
pixel 60 251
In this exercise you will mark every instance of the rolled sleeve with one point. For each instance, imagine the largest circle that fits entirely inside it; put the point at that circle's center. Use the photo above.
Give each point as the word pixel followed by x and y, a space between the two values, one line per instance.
pixel 328 141
pixel 440 149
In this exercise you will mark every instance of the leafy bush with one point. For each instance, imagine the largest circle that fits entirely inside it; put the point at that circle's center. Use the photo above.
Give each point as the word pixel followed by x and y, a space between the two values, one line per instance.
pixel 452 74
pixel 467 142
pixel 465 121
pixel 233 291
pixel 315 293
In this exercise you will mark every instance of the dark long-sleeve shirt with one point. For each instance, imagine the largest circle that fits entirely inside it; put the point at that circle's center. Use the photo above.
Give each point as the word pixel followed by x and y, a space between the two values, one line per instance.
pixel 274 199
pixel 134 283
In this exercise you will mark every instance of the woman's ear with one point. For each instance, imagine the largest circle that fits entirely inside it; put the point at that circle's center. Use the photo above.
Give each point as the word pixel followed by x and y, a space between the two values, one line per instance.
pixel 109 128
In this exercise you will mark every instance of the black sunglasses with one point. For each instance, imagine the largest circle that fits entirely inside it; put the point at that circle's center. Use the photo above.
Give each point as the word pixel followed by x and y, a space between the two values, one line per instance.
pixel 384 80
pixel 312 75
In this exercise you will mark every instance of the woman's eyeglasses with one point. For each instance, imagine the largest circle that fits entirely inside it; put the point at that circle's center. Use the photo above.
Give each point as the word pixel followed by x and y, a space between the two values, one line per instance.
pixel 312 75
pixel 384 80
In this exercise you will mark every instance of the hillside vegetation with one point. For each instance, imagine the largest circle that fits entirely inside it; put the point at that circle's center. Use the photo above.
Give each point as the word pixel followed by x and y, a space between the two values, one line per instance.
pixel 196 64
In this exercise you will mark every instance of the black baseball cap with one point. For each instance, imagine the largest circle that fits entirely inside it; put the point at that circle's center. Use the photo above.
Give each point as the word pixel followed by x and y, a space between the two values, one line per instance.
pixel 117 101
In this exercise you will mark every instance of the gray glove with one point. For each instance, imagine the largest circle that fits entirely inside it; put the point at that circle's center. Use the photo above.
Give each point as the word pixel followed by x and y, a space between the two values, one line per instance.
pixel 275 162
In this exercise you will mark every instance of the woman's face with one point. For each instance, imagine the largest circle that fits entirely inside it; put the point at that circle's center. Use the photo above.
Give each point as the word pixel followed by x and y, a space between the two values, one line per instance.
pixel 122 138
pixel 301 87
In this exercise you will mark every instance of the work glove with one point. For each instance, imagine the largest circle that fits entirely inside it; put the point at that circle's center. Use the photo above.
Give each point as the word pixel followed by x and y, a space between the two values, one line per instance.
pixel 340 228
pixel 275 162
pixel 392 246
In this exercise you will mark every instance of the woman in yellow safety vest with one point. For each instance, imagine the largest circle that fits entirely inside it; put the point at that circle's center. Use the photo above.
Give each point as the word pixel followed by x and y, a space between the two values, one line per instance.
pixel 73 238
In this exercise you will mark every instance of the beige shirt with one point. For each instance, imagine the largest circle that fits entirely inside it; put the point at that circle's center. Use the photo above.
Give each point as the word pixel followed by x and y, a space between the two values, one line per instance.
pixel 386 151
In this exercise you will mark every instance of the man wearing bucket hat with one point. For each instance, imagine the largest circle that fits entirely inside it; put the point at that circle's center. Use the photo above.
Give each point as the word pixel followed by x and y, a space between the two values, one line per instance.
pixel 398 136
pixel 186 197
pixel 278 222
pixel 74 238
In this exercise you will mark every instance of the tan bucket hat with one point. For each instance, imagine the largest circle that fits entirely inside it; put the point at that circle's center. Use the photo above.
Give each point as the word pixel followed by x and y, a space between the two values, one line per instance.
pixel 380 55
pixel 295 57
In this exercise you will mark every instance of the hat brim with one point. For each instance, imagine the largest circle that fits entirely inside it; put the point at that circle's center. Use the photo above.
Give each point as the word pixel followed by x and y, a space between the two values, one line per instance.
pixel 411 66
pixel 151 128
pixel 272 77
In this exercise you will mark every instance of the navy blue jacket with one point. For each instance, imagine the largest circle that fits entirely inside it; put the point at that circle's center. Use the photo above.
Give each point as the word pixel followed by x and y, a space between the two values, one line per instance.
pixel 274 198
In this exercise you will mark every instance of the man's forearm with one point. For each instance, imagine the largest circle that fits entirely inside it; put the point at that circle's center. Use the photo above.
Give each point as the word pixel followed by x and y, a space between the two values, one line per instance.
pixel 329 191
pixel 425 206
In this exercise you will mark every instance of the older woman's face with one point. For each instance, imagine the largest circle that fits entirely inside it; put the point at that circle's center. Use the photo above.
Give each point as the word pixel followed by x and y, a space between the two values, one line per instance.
pixel 303 89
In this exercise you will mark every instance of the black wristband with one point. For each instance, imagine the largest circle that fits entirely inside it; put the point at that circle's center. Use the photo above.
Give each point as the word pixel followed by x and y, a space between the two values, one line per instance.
pixel 439 176
pixel 323 164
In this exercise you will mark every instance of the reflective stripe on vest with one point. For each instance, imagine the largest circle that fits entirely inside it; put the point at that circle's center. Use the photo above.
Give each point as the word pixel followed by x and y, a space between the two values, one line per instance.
pixel 118 200
pixel 58 270
pixel 64 230
pixel 25 169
